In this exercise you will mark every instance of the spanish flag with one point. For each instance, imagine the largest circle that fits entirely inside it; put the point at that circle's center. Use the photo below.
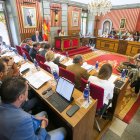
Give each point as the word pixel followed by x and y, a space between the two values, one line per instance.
pixel 46 30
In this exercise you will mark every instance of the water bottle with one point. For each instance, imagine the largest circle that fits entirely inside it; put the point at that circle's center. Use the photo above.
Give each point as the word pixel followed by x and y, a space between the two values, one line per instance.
pixel 36 65
pixel 67 55
pixel 25 57
pixel 123 74
pixel 86 92
pixel 56 77
pixel 96 65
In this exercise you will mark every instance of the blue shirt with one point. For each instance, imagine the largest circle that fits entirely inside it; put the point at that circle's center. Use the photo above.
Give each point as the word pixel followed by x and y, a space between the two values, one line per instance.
pixel 15 124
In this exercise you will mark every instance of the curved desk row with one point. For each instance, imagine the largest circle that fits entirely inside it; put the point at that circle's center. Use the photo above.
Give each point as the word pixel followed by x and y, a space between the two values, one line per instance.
pixel 130 48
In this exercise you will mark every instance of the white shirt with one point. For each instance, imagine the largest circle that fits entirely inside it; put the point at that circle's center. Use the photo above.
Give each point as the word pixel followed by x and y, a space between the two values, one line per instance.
pixel 53 66
pixel 106 85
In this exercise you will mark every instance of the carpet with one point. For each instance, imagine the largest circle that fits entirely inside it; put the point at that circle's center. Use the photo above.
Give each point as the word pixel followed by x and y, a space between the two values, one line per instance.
pixel 129 106
pixel 113 59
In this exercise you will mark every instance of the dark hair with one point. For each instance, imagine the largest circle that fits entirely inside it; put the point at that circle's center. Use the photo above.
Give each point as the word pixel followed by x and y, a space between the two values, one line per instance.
pixel 11 88
pixel 2 66
pixel 45 46
pixel 77 59
pixel 35 44
pixel 105 71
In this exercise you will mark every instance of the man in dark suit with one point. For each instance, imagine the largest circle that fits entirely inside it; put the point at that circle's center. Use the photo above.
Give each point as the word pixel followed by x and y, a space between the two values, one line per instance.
pixel 29 19
pixel 113 32
pixel 37 37
pixel 78 70
pixel 33 51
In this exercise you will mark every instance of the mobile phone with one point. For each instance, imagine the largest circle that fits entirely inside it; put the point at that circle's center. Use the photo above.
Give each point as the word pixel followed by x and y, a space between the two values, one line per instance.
pixel 72 110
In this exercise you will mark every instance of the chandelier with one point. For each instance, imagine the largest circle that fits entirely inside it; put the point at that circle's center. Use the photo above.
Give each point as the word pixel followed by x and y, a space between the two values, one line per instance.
pixel 99 7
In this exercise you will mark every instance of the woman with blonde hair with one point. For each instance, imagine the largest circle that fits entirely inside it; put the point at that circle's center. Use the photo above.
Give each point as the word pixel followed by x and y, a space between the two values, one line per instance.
pixel 49 56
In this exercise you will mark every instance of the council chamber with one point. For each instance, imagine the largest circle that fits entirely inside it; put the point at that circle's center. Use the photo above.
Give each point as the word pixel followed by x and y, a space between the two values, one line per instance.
pixel 69 69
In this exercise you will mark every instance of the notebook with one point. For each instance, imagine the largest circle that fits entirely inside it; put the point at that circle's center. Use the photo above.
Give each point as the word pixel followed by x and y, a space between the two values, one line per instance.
pixel 62 97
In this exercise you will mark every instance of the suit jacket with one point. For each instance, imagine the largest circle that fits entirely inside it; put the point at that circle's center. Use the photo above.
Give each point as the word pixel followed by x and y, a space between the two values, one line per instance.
pixel 39 38
pixel 18 125
pixel 32 53
pixel 79 73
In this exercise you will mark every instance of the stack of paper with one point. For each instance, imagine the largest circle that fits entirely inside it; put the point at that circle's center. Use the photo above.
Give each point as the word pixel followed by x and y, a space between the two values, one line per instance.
pixel 25 66
pixel 62 57
pixel 87 66
pixel 113 78
pixel 37 79
pixel 69 62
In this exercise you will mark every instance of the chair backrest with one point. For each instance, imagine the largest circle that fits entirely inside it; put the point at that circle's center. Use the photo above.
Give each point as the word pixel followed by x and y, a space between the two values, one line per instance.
pixel 27 55
pixel 40 58
pixel 67 74
pixel 24 49
pixel 45 67
pixel 19 50
pixel 96 92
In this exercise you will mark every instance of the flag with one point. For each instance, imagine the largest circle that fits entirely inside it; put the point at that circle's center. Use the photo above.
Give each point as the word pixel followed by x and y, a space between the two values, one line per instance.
pixel 46 30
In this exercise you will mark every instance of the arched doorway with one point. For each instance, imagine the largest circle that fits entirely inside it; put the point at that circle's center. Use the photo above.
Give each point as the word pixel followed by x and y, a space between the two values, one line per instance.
pixel 106 26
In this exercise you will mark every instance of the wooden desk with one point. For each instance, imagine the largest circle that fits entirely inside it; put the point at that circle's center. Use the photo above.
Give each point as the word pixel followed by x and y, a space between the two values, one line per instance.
pixel 82 120
pixel 130 48
pixel 87 40
pixel 67 42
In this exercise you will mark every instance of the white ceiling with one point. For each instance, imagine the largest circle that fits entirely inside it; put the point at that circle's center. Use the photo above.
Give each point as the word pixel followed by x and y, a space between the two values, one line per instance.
pixel 114 2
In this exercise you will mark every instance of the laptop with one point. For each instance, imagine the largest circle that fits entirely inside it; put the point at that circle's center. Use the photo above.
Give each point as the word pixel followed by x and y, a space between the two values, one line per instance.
pixel 62 97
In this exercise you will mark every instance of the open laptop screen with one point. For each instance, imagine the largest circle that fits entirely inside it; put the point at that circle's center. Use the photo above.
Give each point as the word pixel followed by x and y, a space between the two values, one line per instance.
pixel 65 88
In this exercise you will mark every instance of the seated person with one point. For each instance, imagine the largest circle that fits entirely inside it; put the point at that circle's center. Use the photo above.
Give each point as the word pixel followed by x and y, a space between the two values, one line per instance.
pixel 62 33
pixel 37 37
pixel 136 36
pixel 49 56
pixel 28 45
pixel 17 124
pixel 45 47
pixel 102 80
pixel 130 38
pixel 137 59
pixel 3 70
pixel 104 35
pixel 78 70
pixel 81 35
pixel 113 32
pixel 126 33
pixel 33 51
pixel 12 68
pixel 9 69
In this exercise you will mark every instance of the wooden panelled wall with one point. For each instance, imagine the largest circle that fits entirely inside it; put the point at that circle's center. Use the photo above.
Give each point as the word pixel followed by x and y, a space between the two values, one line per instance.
pixel 28 32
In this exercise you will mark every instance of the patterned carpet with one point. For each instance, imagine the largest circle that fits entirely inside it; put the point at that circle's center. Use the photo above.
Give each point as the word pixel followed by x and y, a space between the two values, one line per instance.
pixel 130 103
pixel 105 57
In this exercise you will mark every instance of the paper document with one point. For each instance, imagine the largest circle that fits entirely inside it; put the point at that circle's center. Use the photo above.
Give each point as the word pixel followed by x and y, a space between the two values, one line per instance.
pixel 88 67
pixel 26 66
pixel 69 62
pixel 37 79
pixel 113 78
pixel 17 59
pixel 62 57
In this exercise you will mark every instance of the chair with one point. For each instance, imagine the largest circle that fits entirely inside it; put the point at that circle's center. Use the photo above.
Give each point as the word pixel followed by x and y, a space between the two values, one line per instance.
pixel 67 74
pixel 44 66
pixel 19 50
pixel 96 92
pixel 40 58
pixel 27 54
